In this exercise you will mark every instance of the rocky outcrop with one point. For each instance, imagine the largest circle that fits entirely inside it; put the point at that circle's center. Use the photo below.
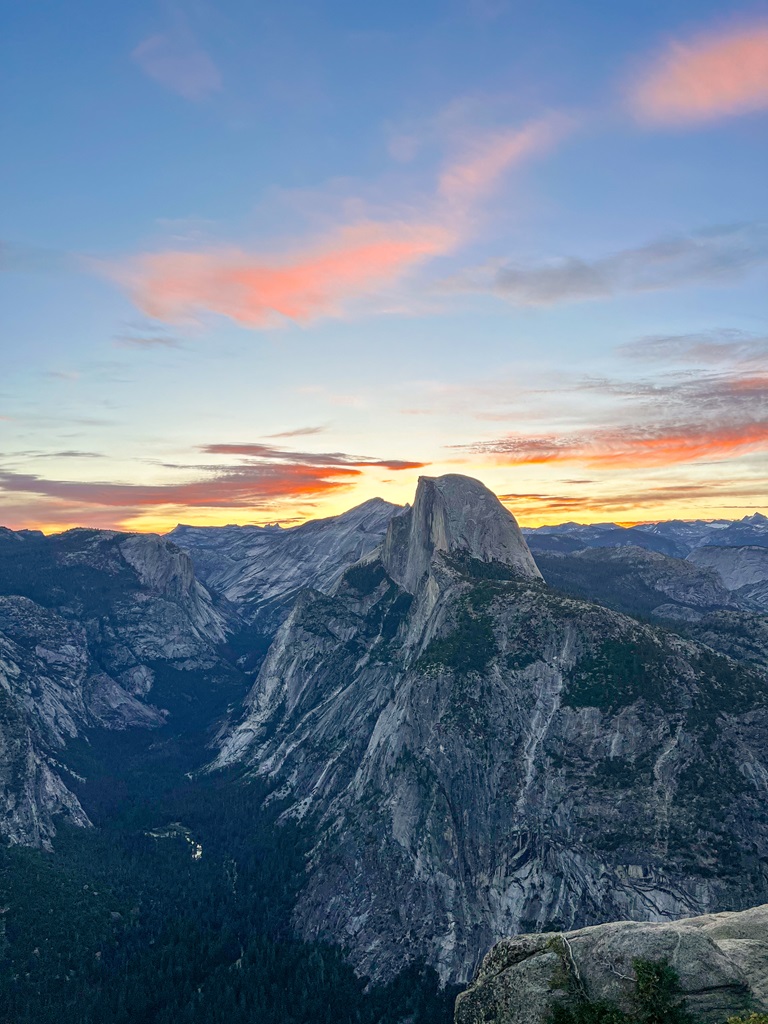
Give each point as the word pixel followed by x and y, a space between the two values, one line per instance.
pixel 452 514
pixel 742 570
pixel 479 755
pixel 261 570
pixel 720 959
pixel 87 619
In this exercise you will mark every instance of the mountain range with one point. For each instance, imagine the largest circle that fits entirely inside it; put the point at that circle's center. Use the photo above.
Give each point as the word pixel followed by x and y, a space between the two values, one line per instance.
pixel 482 730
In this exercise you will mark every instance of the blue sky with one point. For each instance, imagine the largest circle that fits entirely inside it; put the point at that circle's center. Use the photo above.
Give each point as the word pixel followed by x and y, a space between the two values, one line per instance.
pixel 262 261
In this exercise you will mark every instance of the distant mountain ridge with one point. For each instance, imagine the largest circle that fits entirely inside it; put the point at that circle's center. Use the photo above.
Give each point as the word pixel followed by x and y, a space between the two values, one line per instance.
pixel 676 537
pixel 262 569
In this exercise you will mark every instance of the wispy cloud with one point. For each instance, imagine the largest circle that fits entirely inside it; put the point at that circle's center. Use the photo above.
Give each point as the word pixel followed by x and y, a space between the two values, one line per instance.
pixel 727 346
pixel 262 290
pixel 466 180
pixel 70 453
pixel 265 478
pixel 176 61
pixel 146 341
pixel 234 487
pixel 629 447
pixel 327 459
pixel 70 375
pixel 677 418
pixel 719 74
pixel 708 492
pixel 321 278
pixel 716 255
pixel 298 432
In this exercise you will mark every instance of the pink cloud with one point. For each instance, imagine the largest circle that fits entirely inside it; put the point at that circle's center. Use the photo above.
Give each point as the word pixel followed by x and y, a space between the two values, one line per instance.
pixel 491 157
pixel 258 290
pixel 326 459
pixel 176 61
pixel 714 76
pixel 354 261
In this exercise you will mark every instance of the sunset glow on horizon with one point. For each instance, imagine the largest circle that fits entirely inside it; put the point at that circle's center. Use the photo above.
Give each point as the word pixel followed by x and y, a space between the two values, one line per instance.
pixel 266 262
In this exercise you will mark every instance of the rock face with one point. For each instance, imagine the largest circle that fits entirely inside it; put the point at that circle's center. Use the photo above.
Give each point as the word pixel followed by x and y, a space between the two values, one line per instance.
pixel 690 596
pixel 640 582
pixel 87 619
pixel 453 514
pixel 479 755
pixel 743 570
pixel 262 569
pixel 721 960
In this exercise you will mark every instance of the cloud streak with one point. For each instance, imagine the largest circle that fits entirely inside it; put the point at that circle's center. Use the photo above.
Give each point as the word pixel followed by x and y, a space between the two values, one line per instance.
pixel 656 497
pixel 464 181
pixel 716 256
pixel 727 346
pixel 327 459
pixel 146 341
pixel 720 74
pixel 680 418
pixel 630 447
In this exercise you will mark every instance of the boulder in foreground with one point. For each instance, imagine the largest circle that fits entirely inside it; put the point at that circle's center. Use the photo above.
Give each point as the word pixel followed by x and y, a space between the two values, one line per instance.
pixel 720 959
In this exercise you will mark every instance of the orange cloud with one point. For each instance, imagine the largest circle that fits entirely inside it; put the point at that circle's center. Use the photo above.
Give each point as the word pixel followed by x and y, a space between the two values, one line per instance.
pixel 235 487
pixel 709 493
pixel 712 76
pixel 273 480
pixel 259 290
pixel 625 449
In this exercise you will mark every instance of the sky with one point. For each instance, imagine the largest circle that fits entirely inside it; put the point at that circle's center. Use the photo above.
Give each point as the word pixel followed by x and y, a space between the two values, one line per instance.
pixel 262 260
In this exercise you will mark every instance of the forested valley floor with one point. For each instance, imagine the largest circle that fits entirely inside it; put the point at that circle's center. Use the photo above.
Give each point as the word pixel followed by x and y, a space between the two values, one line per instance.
pixel 176 907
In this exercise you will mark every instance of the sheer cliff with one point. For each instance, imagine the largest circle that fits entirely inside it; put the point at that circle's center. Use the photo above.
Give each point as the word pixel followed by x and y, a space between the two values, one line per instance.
pixel 87 620
pixel 261 569
pixel 478 754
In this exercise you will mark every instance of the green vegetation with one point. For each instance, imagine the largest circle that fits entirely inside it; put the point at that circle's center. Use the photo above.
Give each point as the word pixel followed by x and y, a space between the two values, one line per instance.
pixel 365 578
pixel 725 686
pixel 468 648
pixel 50 571
pixel 592 576
pixel 132 923
pixel 477 569
pixel 124 926
pixel 655 999
pixel 656 996
pixel 620 672
pixel 471 644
